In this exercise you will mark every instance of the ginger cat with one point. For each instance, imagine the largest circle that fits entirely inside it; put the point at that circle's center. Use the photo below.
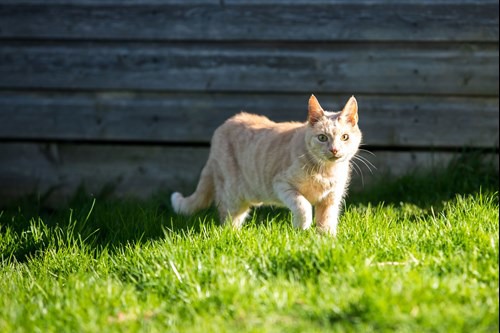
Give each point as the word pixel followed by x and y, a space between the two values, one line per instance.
pixel 255 161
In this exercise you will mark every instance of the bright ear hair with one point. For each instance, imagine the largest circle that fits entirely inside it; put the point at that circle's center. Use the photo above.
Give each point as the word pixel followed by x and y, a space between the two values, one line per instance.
pixel 315 111
pixel 350 111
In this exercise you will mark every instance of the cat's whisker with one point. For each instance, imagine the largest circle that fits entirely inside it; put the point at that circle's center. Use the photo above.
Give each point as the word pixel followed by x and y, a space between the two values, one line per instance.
pixel 360 173
pixel 367 151
pixel 367 161
pixel 369 165
pixel 355 167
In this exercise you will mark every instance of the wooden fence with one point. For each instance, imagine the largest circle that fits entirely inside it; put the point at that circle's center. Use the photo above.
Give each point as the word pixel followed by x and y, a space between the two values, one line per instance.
pixel 129 92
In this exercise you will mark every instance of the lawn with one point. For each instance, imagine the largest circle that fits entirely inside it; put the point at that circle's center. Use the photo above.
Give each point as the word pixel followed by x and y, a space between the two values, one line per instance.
pixel 415 254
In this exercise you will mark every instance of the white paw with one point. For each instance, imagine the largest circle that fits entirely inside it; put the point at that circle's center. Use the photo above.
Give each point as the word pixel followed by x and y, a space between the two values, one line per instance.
pixel 175 200
pixel 329 230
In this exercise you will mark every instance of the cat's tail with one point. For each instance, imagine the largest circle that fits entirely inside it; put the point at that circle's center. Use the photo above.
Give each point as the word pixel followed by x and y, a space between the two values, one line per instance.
pixel 200 199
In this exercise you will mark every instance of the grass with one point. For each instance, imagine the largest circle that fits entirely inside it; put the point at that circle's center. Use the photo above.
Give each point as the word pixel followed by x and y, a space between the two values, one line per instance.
pixel 418 254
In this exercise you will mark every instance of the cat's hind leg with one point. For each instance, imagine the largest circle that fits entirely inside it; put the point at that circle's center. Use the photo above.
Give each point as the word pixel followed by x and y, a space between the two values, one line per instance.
pixel 233 214
pixel 237 218
pixel 232 209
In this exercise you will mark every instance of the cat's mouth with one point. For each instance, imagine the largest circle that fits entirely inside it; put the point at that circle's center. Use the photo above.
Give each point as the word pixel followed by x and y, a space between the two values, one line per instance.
pixel 334 157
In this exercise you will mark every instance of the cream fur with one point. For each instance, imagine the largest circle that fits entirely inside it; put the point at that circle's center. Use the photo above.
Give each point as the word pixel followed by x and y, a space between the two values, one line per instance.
pixel 255 161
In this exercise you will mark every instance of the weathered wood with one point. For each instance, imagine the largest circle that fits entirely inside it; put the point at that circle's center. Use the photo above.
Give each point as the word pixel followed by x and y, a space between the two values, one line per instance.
pixel 386 121
pixel 127 2
pixel 466 69
pixel 246 20
pixel 140 171
pixel 233 2
pixel 97 79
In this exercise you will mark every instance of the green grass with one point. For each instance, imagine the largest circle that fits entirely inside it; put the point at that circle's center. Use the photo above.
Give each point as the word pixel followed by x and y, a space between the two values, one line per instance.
pixel 419 254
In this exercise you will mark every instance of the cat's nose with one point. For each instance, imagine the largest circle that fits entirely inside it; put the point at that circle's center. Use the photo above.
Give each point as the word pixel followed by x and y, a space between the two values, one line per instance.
pixel 334 151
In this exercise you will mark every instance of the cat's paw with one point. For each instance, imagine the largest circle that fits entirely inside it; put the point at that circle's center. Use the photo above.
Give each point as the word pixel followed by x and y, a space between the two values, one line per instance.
pixel 175 200
pixel 328 230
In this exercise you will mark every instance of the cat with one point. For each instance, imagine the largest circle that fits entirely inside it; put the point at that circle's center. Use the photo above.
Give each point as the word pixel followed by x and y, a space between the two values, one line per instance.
pixel 255 161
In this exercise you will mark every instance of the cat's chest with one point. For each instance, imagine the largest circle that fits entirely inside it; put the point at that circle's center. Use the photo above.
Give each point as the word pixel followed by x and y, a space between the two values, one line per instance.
pixel 316 188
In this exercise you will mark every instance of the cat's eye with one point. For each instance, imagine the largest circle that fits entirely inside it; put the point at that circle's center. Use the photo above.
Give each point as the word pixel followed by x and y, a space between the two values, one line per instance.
pixel 344 137
pixel 322 138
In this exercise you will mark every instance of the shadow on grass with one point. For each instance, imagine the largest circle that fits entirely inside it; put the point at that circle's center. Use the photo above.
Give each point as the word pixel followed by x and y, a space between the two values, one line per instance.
pixel 29 227
pixel 467 174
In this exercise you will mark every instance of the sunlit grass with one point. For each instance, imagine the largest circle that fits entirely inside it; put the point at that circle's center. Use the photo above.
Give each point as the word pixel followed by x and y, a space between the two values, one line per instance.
pixel 412 255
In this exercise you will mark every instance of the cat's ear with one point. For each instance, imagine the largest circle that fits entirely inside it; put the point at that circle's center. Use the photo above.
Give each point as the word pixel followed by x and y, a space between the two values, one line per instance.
pixel 350 111
pixel 315 111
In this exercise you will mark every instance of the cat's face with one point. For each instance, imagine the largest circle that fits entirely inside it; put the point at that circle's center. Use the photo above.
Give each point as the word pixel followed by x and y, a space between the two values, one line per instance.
pixel 333 136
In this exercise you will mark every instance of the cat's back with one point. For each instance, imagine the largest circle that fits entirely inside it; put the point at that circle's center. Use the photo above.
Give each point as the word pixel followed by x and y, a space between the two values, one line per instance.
pixel 248 150
pixel 250 121
pixel 244 121
pixel 242 129
pixel 253 137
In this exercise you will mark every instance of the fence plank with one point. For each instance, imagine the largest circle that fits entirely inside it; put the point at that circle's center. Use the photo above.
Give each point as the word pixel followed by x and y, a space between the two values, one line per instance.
pixel 271 20
pixel 130 91
pixel 140 171
pixel 349 68
pixel 386 121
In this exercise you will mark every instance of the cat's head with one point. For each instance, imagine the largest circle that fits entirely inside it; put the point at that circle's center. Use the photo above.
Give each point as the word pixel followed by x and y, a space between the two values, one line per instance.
pixel 332 136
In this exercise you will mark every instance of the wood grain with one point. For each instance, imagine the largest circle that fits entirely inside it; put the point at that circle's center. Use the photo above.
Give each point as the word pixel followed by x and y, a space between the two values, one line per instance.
pixel 247 20
pixel 142 171
pixel 129 92
pixel 443 69
pixel 386 121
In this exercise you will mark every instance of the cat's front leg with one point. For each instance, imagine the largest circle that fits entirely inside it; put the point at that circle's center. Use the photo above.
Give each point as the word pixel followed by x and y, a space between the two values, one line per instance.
pixel 327 216
pixel 297 203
